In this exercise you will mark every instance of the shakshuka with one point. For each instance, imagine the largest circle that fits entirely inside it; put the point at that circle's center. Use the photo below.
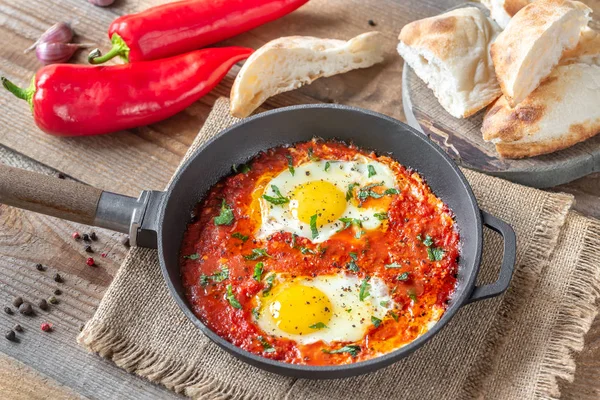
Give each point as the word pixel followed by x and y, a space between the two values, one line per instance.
pixel 320 253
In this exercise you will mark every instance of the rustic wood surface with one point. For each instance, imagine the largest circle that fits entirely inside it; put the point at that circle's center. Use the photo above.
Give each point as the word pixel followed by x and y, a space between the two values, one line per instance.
pixel 52 364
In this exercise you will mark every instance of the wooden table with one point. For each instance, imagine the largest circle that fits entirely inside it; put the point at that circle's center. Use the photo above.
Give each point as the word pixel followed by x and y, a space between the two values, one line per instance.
pixel 52 365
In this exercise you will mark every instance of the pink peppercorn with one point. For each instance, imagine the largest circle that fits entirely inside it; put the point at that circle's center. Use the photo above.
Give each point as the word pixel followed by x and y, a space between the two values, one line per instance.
pixel 46 327
pixel 90 262
pixel 76 235
pixel 103 255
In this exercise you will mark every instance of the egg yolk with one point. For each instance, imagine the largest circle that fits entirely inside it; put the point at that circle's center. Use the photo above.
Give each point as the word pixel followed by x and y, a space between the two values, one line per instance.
pixel 318 197
pixel 296 308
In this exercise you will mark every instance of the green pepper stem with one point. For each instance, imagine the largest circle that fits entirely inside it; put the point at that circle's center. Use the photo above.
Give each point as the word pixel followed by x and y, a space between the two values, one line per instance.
pixel 23 94
pixel 119 48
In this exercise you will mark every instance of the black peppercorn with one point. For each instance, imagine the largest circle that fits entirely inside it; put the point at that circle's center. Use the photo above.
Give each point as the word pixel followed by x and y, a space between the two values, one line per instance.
pixel 125 241
pixel 57 292
pixel 26 309
pixel 58 278
pixel 10 335
pixel 93 236
pixel 17 301
pixel 372 23
pixel 39 267
pixel 8 310
pixel 88 249
pixel 86 238
pixel 43 304
pixel 60 175
pixel 18 328
pixel 81 326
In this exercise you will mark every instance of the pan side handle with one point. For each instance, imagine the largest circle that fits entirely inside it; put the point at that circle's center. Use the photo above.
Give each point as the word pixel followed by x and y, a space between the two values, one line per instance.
pixel 81 203
pixel 508 259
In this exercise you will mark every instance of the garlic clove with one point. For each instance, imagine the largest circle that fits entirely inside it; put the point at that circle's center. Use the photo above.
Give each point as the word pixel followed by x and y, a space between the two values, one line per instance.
pixel 58 33
pixel 53 53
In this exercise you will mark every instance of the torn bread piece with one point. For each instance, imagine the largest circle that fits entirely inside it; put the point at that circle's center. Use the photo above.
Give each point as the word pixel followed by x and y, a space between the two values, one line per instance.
pixel 587 50
pixel 533 43
pixel 502 11
pixel 288 63
pixel 562 111
pixel 450 52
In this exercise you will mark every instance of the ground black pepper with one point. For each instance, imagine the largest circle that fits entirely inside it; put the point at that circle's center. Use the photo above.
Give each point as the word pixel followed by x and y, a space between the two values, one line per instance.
pixel 10 335
pixel 17 301
pixel 43 305
pixel 8 310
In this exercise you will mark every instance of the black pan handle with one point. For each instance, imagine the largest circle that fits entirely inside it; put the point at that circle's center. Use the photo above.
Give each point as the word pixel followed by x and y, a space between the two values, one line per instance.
pixel 508 259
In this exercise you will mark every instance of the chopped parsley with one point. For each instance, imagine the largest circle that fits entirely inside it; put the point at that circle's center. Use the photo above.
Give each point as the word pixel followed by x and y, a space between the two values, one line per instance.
pixel 353 255
pixel 403 276
pixel 350 191
pixel 226 215
pixel 194 256
pixel 348 222
pixel 258 270
pixel 267 347
pixel 306 250
pixel 365 192
pixel 376 321
pixel 280 199
pixel 231 298
pixel 352 266
pixel 238 235
pixel 318 325
pixel 363 293
pixel 257 254
pixel 348 310
pixel 384 303
pixel 311 155
pixel 243 168
pixel 269 280
pixel 327 166
pixel 381 216
pixel 216 277
pixel 290 164
pixel 255 313
pixel 294 237
pixel 393 265
pixel 411 293
pixel 391 191
pixel 371 170
pixel 393 315
pixel 351 349
pixel 313 226
pixel 435 253
pixel 359 233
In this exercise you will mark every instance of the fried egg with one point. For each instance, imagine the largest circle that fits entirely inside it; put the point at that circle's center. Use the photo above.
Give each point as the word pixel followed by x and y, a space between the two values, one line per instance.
pixel 326 307
pixel 323 192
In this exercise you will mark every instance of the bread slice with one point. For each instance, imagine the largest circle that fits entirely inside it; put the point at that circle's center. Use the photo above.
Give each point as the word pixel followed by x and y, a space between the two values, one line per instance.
pixel 533 43
pixel 587 50
pixel 450 52
pixel 502 11
pixel 562 111
pixel 288 63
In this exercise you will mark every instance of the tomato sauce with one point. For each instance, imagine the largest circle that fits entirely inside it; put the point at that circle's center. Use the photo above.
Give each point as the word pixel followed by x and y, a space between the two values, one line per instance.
pixel 419 230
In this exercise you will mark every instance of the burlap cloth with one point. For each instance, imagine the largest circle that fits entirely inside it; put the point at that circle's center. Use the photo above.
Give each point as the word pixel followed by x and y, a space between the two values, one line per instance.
pixel 512 347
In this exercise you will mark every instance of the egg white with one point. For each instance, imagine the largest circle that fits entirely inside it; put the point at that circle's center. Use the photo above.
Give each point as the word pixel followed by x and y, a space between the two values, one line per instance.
pixel 277 218
pixel 350 317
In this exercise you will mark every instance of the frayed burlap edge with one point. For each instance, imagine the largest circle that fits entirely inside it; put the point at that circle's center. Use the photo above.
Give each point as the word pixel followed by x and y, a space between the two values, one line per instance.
pixel 576 315
pixel 525 277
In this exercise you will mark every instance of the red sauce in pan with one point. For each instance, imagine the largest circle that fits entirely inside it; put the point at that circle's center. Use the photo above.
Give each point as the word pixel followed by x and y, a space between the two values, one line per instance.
pixel 419 230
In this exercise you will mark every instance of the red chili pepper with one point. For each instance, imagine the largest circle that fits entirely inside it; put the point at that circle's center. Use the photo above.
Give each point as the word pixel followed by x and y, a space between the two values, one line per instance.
pixel 182 26
pixel 74 100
